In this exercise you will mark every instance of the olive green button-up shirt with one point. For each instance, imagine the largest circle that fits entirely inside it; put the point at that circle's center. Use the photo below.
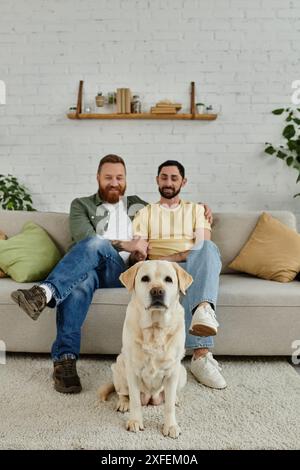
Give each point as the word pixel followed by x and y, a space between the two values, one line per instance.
pixel 87 212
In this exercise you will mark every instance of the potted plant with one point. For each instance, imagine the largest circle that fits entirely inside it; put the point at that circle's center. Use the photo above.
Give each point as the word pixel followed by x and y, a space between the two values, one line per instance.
pixel 14 196
pixel 200 108
pixel 290 151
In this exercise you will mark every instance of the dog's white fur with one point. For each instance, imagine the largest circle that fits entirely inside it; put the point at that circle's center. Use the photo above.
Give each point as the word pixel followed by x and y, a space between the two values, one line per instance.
pixel 153 344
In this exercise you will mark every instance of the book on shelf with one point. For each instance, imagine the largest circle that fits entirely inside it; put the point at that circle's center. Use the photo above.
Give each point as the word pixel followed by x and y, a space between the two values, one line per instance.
pixel 163 110
pixel 127 101
pixel 163 105
pixel 123 101
pixel 119 100
pixel 123 94
pixel 168 104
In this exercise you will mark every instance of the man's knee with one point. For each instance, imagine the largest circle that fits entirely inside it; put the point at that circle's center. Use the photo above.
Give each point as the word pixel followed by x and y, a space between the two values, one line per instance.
pixel 88 284
pixel 206 249
pixel 204 246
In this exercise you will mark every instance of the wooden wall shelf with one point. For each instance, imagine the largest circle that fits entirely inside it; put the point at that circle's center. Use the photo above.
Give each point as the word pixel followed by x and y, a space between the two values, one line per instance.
pixel 192 116
pixel 197 117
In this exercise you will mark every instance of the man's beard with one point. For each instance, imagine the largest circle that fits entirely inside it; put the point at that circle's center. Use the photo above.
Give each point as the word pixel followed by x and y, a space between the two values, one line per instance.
pixel 169 194
pixel 112 196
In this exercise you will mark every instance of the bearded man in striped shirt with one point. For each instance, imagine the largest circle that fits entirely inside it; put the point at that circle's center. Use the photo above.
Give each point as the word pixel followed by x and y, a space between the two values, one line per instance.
pixel 177 230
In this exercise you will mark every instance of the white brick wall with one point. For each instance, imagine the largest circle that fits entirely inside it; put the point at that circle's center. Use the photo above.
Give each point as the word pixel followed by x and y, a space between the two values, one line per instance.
pixel 242 54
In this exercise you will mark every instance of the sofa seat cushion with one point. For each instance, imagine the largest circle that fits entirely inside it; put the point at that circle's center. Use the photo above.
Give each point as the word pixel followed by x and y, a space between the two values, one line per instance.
pixel 247 291
pixel 236 290
pixel 115 296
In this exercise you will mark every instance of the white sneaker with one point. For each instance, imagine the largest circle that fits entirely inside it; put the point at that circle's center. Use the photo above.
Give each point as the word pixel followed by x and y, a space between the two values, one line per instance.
pixel 207 371
pixel 204 322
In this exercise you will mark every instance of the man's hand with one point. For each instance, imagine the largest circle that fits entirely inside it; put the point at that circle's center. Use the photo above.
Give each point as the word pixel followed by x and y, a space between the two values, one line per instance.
pixel 135 257
pixel 140 245
pixel 208 214
pixel 137 244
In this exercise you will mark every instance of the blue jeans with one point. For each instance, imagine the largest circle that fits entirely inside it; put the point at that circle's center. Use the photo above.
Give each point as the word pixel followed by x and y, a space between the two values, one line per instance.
pixel 204 264
pixel 91 264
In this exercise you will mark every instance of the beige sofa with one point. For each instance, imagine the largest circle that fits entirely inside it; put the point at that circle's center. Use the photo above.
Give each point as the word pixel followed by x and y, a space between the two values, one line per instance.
pixel 257 317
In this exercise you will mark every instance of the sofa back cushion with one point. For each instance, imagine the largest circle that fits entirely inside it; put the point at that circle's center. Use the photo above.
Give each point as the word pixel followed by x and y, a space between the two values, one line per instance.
pixel 56 225
pixel 231 230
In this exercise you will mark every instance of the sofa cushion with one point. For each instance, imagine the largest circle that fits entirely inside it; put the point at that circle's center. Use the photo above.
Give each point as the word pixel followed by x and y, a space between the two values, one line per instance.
pixel 30 255
pixel 236 290
pixel 56 225
pixel 272 251
pixel 257 317
pixel 230 230
pixel 242 290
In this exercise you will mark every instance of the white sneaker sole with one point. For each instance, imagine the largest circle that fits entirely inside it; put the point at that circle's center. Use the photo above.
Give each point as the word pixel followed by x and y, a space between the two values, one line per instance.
pixel 214 386
pixel 202 330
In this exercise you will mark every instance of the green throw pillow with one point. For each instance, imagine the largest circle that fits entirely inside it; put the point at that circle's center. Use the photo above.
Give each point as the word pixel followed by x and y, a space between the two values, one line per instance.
pixel 30 255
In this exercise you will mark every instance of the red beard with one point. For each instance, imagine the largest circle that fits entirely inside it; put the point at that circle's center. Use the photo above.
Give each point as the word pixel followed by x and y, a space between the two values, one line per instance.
pixel 112 196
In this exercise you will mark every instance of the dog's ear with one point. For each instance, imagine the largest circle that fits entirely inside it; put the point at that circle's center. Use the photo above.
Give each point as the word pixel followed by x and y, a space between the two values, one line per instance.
pixel 184 278
pixel 127 277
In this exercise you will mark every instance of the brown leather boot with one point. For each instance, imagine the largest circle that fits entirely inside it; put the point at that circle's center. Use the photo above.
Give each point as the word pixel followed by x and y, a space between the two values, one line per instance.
pixel 66 379
pixel 32 301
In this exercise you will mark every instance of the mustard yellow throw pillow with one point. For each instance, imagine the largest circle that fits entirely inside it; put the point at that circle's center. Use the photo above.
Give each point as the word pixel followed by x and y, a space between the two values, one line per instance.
pixel 272 251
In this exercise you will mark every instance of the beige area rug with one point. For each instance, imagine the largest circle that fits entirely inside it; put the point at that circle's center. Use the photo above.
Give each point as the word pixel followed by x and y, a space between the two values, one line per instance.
pixel 260 409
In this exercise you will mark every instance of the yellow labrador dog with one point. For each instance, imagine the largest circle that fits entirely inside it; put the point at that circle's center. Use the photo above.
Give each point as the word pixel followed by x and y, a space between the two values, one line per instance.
pixel 149 365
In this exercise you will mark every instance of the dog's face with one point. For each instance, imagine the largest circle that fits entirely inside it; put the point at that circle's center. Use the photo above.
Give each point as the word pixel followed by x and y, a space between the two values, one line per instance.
pixel 156 283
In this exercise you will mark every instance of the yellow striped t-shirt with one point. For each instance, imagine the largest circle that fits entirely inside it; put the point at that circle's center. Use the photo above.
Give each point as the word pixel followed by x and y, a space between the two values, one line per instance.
pixel 168 230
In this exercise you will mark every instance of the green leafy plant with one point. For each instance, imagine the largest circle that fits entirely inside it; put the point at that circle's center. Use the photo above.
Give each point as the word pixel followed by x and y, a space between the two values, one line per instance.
pixel 290 151
pixel 14 196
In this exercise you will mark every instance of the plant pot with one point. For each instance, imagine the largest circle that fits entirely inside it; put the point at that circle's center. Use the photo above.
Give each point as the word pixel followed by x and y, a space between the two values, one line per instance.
pixel 99 101
pixel 200 108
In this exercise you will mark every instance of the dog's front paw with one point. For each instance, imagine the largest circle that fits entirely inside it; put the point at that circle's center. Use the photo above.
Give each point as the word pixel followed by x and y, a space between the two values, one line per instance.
pixel 134 425
pixel 171 431
pixel 122 404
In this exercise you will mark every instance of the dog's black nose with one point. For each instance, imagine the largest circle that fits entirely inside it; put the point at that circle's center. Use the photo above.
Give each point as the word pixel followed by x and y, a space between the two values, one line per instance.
pixel 157 292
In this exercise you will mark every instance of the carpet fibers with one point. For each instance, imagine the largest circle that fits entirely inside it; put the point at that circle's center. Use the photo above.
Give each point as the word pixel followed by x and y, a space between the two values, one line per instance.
pixel 259 409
